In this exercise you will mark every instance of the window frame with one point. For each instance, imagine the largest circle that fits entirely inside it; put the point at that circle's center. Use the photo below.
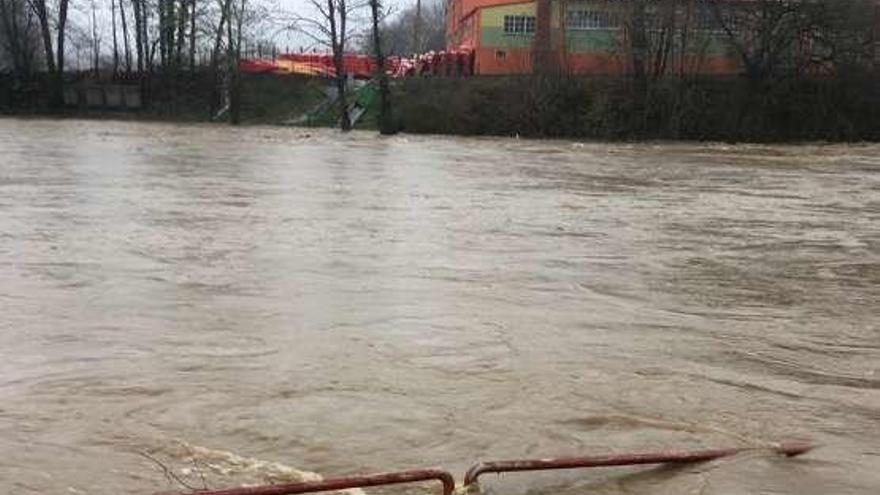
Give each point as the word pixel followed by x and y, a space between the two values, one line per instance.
pixel 519 25
pixel 591 20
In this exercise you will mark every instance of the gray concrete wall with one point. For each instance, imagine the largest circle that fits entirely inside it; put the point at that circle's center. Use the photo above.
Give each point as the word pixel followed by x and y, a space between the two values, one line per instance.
pixel 104 96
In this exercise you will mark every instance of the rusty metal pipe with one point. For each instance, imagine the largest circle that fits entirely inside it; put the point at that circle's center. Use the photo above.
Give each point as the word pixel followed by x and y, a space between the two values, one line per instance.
pixel 343 483
pixel 789 449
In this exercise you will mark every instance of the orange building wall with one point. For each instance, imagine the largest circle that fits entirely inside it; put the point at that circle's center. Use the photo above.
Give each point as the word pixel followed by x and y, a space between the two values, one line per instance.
pixel 457 14
pixel 490 61
pixel 592 63
pixel 465 24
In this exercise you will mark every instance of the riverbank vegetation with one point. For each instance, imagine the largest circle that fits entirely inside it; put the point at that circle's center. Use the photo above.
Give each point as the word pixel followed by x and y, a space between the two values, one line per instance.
pixel 618 108
pixel 809 70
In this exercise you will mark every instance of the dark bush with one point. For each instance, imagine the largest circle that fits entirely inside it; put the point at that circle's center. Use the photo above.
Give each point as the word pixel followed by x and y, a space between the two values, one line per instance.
pixel 831 108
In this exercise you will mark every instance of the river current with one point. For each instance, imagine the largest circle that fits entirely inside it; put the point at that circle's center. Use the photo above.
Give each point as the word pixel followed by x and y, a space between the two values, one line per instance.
pixel 206 306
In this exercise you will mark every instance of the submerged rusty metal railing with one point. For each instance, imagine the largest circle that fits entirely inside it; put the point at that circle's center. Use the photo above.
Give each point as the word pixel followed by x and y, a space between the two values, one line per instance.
pixel 361 481
pixel 789 449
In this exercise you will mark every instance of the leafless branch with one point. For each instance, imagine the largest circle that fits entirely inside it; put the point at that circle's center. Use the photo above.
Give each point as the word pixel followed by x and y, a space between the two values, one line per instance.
pixel 169 474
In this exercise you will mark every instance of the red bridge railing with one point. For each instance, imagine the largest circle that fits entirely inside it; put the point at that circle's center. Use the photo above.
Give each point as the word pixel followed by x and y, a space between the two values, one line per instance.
pixel 789 449
pixel 361 481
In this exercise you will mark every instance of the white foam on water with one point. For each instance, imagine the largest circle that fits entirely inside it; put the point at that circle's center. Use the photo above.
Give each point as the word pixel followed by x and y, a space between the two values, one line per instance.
pixel 231 465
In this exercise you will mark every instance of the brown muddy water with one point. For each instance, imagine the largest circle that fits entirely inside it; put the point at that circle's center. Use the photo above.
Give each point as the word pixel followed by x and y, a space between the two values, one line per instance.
pixel 257 304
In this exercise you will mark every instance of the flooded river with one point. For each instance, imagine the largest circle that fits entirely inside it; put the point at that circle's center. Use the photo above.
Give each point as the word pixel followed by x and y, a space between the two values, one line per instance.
pixel 259 304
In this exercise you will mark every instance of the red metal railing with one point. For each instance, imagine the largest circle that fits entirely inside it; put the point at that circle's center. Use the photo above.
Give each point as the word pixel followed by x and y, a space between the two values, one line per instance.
pixel 790 449
pixel 455 63
pixel 361 481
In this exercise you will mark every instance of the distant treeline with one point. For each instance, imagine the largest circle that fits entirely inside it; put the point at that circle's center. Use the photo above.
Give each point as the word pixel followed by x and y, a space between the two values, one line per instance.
pixel 828 108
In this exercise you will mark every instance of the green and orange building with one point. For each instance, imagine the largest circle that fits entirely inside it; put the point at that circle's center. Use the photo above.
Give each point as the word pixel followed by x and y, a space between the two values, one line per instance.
pixel 586 36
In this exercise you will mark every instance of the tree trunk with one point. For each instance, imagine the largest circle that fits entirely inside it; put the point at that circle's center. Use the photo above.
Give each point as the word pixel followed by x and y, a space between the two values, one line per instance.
pixel 10 17
pixel 192 37
pixel 96 48
pixel 125 44
pixel 54 65
pixel 139 41
pixel 344 117
pixel 225 5
pixel 163 28
pixel 337 38
pixel 386 125
pixel 666 36
pixel 417 28
pixel 638 40
pixel 40 10
pixel 638 51
pixel 543 55
pixel 149 47
pixel 58 93
pixel 115 42
pixel 182 11
pixel 233 53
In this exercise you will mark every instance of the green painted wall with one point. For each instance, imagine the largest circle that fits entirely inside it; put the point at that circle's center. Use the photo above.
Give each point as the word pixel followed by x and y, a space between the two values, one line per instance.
pixel 592 41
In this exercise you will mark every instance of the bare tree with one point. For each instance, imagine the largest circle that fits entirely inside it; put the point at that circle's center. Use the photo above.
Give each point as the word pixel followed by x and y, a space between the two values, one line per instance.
pixel 663 37
pixel 115 41
pixel 125 43
pixel 396 30
pixel 330 28
pixel 19 38
pixel 692 38
pixel 837 35
pixel 783 38
pixel 141 41
pixel 386 126
pixel 162 11
pixel 95 38
pixel 182 20
pixel 225 8
pixel 214 63
pixel 650 31
pixel 544 60
pixel 757 34
pixel 234 26
pixel 192 36
pixel 54 55
pixel 417 28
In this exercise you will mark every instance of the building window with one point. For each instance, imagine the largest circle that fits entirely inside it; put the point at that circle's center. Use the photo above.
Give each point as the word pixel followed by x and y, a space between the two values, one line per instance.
pixel 591 19
pixel 519 24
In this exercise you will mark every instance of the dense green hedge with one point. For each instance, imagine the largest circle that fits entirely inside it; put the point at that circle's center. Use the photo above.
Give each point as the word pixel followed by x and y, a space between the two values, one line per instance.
pixel 728 109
